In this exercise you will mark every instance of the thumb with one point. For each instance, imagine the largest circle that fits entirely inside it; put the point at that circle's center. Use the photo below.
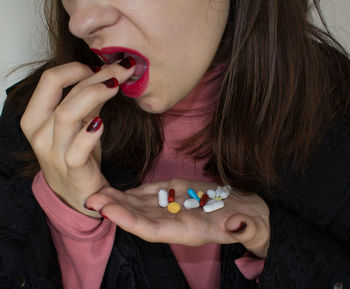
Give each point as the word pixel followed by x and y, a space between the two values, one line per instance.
pixel 100 199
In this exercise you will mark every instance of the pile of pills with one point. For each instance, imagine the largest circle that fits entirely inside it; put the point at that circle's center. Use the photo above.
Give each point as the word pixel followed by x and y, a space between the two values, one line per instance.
pixel 167 200
pixel 210 201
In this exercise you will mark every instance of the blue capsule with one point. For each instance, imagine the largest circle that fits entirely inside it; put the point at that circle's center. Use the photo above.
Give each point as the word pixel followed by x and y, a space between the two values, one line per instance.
pixel 193 194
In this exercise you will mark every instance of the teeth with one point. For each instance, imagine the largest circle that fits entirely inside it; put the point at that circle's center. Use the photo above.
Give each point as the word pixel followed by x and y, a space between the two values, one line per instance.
pixel 134 77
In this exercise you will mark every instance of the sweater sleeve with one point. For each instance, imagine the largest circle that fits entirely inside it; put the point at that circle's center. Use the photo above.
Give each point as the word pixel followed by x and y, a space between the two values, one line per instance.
pixel 83 243
pixel 310 222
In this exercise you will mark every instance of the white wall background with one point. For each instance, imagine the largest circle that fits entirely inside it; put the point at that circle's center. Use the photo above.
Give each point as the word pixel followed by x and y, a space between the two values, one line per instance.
pixel 23 36
pixel 22 39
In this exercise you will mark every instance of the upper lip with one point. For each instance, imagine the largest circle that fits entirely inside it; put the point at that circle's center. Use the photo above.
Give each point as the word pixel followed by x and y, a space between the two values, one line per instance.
pixel 113 50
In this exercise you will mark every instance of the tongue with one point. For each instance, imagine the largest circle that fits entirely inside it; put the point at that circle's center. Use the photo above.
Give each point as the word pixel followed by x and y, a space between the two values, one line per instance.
pixel 141 64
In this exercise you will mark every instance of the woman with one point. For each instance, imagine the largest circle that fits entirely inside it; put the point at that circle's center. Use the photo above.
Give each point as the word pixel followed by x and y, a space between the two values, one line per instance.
pixel 192 93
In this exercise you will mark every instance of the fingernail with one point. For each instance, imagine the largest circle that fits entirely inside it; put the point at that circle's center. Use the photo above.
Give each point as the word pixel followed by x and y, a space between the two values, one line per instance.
pixel 111 83
pixel 241 228
pixel 94 125
pixel 128 62
pixel 88 208
pixel 95 68
pixel 103 216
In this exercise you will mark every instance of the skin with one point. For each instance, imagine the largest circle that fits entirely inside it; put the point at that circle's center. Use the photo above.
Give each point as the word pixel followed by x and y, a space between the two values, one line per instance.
pixel 180 39
pixel 138 212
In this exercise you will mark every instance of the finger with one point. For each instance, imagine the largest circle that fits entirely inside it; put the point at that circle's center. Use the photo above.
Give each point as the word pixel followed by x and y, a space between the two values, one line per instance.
pixel 41 140
pixel 140 225
pixel 116 208
pixel 83 144
pixel 48 93
pixel 113 70
pixel 253 235
pixel 241 227
pixel 135 203
pixel 73 110
pixel 69 117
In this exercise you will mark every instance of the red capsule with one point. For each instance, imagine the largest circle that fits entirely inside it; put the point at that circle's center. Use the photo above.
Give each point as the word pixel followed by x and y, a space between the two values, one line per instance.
pixel 171 197
pixel 204 200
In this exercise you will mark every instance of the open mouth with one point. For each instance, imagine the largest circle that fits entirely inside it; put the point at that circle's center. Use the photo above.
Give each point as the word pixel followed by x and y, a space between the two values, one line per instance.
pixel 138 82
pixel 110 56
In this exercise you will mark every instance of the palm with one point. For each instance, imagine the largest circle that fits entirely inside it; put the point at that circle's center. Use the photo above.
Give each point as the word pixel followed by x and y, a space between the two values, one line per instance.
pixel 137 211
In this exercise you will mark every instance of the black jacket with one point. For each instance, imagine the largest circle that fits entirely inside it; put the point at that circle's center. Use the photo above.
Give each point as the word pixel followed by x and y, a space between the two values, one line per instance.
pixel 310 229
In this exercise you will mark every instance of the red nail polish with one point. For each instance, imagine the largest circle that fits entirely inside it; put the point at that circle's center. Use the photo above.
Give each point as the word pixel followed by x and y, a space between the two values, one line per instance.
pixel 95 68
pixel 241 228
pixel 104 216
pixel 111 83
pixel 128 62
pixel 94 125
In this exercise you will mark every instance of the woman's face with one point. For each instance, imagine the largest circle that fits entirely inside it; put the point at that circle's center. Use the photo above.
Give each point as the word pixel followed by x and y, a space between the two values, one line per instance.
pixel 178 38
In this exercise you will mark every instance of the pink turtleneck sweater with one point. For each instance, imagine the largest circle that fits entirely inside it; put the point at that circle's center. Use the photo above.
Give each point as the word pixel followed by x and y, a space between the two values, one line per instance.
pixel 84 244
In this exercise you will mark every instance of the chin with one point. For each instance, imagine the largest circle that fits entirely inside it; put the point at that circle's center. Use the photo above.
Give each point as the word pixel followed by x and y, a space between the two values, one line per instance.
pixel 145 106
pixel 151 105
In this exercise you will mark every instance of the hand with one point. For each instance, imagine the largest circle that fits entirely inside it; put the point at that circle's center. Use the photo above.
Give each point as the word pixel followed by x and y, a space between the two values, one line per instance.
pixel 244 219
pixel 68 155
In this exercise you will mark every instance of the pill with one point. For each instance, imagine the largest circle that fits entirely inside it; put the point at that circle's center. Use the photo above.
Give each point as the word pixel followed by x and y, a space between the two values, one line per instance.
pixel 191 204
pixel 174 207
pixel 211 193
pixel 171 197
pixel 228 188
pixel 200 194
pixel 204 200
pixel 163 198
pixel 193 194
pixel 211 201
pixel 224 194
pixel 217 192
pixel 210 207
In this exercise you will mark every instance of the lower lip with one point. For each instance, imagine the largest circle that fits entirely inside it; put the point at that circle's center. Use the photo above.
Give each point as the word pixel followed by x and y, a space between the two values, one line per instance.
pixel 137 88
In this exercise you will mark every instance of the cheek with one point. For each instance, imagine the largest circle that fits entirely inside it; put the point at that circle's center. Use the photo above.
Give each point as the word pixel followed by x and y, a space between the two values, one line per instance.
pixel 68 5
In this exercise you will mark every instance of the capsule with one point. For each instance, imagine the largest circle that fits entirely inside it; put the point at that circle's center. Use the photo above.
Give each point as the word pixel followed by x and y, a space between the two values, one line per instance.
pixel 163 198
pixel 191 204
pixel 171 197
pixel 224 194
pixel 211 193
pixel 228 188
pixel 218 192
pixel 193 194
pixel 211 207
pixel 204 200
pixel 211 201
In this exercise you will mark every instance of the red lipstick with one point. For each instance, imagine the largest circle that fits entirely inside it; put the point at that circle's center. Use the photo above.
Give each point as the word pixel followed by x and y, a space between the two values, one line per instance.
pixel 137 84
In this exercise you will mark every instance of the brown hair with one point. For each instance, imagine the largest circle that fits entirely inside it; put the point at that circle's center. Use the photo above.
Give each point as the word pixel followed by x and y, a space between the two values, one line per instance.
pixel 283 86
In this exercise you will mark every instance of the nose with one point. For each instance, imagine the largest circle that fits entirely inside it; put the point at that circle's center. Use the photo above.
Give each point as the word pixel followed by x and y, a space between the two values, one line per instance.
pixel 89 17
